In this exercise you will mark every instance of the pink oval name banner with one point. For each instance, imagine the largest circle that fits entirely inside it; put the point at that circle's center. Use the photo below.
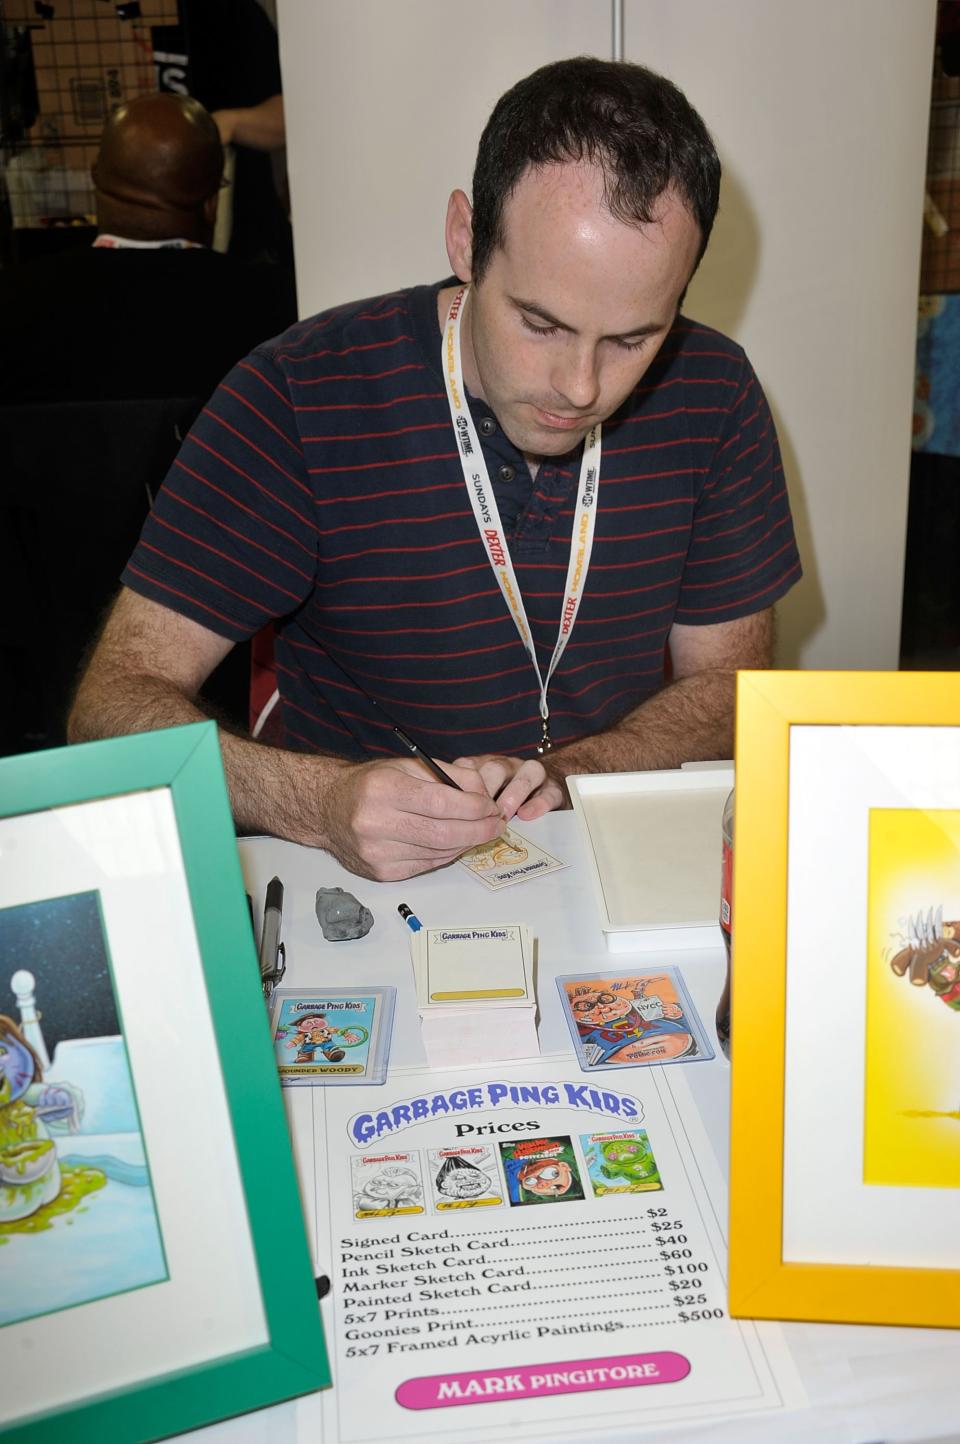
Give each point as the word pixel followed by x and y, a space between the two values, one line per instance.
pixel 535 1381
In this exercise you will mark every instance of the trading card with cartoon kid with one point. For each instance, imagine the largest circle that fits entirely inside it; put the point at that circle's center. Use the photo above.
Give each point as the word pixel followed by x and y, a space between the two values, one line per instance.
pixel 620 1162
pixel 629 1019
pixel 541 1170
pixel 341 1036
pixel 385 1184
pixel 464 1177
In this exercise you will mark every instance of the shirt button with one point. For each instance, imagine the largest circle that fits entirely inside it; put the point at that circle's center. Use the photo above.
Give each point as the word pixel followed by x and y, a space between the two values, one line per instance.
pixel 506 473
pixel 487 426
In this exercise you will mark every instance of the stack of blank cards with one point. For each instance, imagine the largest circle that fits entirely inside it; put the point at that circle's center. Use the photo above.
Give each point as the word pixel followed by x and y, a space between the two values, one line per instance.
pixel 475 993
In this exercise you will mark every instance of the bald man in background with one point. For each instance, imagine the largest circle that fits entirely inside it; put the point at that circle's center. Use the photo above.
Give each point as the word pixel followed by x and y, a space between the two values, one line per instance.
pixel 149 310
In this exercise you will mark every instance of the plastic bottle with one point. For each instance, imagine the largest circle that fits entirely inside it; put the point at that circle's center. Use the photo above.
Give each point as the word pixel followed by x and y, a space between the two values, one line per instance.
pixel 726 921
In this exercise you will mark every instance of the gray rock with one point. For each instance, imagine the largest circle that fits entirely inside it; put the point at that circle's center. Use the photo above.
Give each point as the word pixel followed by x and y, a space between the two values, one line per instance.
pixel 341 916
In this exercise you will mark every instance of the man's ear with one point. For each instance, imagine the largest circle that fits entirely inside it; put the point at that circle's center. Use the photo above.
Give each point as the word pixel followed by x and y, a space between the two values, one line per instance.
pixel 458 234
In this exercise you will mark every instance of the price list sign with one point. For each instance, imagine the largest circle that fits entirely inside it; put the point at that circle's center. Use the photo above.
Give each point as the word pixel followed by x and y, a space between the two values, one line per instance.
pixel 532 1244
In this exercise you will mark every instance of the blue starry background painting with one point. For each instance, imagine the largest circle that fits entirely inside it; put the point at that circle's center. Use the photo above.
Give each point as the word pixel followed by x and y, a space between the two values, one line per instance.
pixel 61 942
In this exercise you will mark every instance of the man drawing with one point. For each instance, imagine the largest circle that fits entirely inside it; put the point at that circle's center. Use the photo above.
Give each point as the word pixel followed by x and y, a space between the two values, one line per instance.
pixel 491 504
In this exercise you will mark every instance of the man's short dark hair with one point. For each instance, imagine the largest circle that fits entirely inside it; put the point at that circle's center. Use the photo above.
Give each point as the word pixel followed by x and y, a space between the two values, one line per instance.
pixel 637 126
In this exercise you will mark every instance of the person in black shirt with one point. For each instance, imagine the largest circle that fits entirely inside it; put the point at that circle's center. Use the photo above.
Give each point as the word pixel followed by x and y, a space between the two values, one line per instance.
pixel 149 310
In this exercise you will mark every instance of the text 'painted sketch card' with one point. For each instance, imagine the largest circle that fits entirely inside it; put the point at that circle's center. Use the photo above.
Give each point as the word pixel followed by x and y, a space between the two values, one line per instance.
pixel 628 1019
pixel 508 859
pixel 336 1036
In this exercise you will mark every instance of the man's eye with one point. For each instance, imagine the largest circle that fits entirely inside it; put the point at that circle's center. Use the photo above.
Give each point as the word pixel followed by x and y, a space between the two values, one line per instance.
pixel 538 330
pixel 637 345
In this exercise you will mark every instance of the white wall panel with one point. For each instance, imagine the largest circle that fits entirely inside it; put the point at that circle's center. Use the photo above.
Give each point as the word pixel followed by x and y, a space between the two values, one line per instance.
pixel 819 111
pixel 385 103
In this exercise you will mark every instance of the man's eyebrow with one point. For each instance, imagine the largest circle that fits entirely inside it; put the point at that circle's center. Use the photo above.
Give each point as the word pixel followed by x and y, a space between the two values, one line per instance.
pixel 649 329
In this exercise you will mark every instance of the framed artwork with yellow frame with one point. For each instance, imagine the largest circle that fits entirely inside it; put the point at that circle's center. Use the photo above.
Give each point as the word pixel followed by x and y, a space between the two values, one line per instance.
pixel 845 1124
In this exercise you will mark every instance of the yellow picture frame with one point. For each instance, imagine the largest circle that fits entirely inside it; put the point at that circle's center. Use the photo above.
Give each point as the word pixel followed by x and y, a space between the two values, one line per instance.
pixel 889 734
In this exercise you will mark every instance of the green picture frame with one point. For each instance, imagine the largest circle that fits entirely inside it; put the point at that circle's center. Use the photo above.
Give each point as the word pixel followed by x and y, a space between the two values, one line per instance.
pixel 179 768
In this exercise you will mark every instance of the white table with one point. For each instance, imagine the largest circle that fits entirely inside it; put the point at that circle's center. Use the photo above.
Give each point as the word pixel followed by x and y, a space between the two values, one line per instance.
pixel 864 1384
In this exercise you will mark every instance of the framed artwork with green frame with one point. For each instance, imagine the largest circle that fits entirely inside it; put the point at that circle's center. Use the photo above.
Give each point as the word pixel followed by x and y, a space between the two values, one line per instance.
pixel 156 1275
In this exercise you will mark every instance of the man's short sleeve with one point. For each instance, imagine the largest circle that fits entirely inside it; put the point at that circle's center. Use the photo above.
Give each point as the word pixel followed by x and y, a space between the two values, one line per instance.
pixel 743 554
pixel 231 539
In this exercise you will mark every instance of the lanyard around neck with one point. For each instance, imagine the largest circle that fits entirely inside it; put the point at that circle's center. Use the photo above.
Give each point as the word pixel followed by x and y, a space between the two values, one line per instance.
pixel 487 513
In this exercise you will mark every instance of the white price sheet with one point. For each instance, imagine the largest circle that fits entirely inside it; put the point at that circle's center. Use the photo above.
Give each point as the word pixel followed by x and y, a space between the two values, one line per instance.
pixel 518 1251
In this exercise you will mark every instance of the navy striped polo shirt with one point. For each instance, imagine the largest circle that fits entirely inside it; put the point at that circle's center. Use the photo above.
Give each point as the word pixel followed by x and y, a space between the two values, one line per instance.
pixel 321 489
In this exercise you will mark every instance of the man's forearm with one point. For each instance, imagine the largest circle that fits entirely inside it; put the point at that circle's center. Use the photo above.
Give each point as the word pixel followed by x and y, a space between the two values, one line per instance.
pixel 689 720
pixel 386 818
pixel 261 127
pixel 271 790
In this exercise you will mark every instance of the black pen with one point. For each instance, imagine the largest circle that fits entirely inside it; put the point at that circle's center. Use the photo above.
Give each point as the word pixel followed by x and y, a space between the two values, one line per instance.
pixel 272 951
pixel 397 730
pixel 427 761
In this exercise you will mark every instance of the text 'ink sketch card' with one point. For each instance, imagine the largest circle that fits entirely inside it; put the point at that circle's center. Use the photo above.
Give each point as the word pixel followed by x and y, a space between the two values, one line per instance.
pixel 336 1036
pixel 509 859
pixel 629 1019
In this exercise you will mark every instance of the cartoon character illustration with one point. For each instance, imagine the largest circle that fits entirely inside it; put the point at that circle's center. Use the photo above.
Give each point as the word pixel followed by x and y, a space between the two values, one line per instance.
pixel 392 1187
pixel 313 1034
pixel 29 1170
pixel 457 1178
pixel 550 1178
pixel 541 1170
pixel 930 955
pixel 624 1020
pixel 627 1158
pixel 619 1163
pixel 502 852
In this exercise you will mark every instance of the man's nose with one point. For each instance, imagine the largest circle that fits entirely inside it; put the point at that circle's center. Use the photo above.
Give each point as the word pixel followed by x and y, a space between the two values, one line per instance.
pixel 576 379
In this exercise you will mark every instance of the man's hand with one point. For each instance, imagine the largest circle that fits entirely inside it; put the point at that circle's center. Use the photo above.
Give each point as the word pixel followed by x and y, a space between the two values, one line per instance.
pixel 390 820
pixel 523 789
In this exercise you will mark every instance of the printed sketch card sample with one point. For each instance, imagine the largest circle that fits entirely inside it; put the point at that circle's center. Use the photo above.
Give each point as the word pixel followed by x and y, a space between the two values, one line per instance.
pixel 509 859
pixel 464 1177
pixel 336 1036
pixel 386 1184
pixel 630 1019
pixel 541 1170
pixel 620 1162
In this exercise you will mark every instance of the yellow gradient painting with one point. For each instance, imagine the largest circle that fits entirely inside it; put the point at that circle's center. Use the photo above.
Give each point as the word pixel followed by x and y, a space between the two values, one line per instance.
pixel 912 1084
